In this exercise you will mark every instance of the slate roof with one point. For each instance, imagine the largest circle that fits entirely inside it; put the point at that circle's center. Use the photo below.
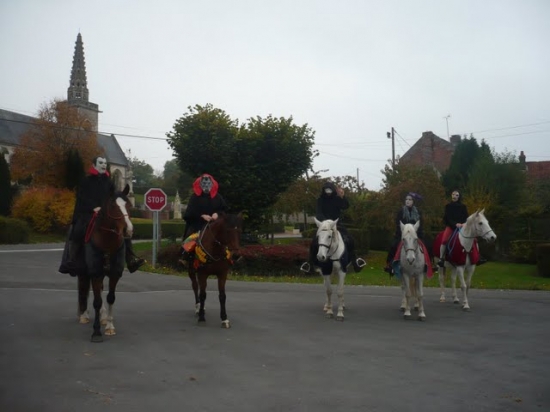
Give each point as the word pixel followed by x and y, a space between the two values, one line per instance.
pixel 13 125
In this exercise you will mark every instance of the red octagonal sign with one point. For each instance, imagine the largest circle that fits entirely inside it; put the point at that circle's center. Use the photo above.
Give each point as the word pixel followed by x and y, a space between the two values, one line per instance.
pixel 155 199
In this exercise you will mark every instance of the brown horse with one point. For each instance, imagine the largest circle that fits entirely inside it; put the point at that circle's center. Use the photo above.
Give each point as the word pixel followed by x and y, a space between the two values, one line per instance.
pixel 216 247
pixel 104 255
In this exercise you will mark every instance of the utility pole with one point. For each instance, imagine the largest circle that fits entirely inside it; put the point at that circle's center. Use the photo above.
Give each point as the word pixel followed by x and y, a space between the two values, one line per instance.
pixel 392 137
pixel 447 120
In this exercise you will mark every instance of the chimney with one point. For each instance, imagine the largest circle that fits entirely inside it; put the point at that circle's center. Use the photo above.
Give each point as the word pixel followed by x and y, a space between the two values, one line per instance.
pixel 522 160
pixel 455 139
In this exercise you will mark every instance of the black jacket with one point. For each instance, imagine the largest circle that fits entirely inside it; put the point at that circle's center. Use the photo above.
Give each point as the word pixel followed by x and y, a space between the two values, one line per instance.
pixel 455 212
pixel 201 205
pixel 93 191
pixel 330 206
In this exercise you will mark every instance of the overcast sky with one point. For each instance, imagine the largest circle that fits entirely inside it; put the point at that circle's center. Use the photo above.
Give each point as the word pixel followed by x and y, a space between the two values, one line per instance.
pixel 349 69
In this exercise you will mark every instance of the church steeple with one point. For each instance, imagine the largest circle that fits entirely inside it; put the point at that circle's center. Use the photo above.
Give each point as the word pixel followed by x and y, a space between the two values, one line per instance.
pixel 77 93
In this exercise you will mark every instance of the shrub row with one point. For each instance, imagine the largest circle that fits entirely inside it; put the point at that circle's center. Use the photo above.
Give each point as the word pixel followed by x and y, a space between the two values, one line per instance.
pixel 14 231
pixel 543 259
pixel 524 251
pixel 169 229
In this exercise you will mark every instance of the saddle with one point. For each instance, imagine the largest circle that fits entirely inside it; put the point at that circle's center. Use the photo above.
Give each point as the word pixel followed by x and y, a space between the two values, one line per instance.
pixel 455 252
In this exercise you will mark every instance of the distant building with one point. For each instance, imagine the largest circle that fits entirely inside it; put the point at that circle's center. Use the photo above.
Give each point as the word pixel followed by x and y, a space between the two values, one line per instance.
pixel 13 125
pixel 534 170
pixel 431 150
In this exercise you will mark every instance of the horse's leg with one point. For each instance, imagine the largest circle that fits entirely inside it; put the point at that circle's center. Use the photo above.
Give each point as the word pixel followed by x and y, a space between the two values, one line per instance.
pixel 111 297
pixel 328 304
pixel 195 286
pixel 456 271
pixel 403 295
pixel 222 278
pixel 202 294
pixel 83 292
pixel 420 296
pixel 97 287
pixel 468 281
pixel 407 281
pixel 442 283
pixel 340 291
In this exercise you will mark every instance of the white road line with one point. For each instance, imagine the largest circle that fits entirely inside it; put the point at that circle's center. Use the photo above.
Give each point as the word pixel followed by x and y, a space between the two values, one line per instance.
pixel 30 250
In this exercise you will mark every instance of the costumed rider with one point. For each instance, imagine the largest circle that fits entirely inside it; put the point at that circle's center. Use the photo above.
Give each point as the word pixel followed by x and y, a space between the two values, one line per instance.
pixel 330 204
pixel 455 216
pixel 409 213
pixel 92 193
pixel 204 206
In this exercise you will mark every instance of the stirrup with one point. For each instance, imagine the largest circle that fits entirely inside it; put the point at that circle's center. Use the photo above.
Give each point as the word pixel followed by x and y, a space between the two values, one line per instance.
pixel 306 267
pixel 441 263
pixel 360 262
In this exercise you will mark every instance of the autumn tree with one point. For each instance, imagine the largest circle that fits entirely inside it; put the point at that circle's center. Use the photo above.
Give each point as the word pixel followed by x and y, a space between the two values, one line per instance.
pixel 254 162
pixel 5 187
pixel 45 147
pixel 142 173
pixel 175 179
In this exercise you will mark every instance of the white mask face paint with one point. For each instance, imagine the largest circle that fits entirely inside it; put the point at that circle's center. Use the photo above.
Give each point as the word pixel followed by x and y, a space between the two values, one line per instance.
pixel 455 196
pixel 409 201
pixel 206 184
pixel 101 165
pixel 328 191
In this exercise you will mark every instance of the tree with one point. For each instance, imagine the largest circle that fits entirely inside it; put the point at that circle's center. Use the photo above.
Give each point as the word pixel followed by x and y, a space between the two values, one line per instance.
pixel 44 148
pixel 75 169
pixel 174 179
pixel 143 173
pixel 254 163
pixel 5 187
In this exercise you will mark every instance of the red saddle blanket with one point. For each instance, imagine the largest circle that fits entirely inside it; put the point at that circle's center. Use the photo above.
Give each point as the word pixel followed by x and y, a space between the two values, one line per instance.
pixel 456 254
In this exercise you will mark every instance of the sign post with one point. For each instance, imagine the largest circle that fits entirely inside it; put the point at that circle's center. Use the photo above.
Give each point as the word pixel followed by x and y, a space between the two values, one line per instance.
pixel 155 200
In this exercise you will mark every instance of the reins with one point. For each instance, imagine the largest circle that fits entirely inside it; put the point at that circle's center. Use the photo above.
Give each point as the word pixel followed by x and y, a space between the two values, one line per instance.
pixel 200 243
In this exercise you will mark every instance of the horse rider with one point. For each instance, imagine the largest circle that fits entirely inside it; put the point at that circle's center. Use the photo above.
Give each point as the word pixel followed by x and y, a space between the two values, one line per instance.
pixel 93 191
pixel 330 204
pixel 204 205
pixel 409 213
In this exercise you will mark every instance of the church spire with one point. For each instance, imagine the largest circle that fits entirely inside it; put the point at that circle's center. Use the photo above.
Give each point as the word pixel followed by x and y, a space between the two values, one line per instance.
pixel 77 93
pixel 78 89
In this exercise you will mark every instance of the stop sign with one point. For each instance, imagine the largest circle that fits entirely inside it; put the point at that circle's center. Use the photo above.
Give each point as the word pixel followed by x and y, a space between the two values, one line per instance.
pixel 155 199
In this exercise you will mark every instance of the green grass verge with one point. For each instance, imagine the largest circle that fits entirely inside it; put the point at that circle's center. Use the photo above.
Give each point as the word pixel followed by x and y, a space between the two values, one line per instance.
pixel 492 275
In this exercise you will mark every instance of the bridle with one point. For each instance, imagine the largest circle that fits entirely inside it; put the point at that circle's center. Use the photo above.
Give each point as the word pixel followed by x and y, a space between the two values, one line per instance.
pixel 108 214
pixel 222 245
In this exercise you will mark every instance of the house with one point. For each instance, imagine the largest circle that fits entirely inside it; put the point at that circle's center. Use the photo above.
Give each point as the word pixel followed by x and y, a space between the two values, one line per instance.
pixel 534 170
pixel 431 150
pixel 13 125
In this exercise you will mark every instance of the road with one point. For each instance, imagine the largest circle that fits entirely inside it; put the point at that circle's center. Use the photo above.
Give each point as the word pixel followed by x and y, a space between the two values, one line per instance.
pixel 281 354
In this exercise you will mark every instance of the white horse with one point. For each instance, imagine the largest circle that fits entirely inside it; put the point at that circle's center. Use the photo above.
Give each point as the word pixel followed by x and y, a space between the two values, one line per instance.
pixel 412 265
pixel 333 260
pixel 459 252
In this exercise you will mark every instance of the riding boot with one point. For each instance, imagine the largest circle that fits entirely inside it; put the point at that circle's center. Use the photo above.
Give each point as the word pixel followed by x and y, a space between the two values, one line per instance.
pixel 442 251
pixel 133 262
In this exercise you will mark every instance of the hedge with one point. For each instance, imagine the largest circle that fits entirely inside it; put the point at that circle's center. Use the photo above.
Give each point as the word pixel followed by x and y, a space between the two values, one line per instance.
pixel 14 231
pixel 524 251
pixel 543 259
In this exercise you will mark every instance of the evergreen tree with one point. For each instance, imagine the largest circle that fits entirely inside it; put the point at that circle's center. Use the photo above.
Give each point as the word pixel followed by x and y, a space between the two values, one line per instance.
pixel 5 187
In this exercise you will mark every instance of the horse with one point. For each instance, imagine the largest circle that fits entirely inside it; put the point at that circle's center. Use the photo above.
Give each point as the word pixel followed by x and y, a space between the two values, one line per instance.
pixel 217 243
pixel 333 258
pixel 412 270
pixel 462 254
pixel 104 256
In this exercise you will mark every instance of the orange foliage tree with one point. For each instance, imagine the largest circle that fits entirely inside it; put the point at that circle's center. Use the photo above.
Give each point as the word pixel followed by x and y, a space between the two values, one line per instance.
pixel 44 148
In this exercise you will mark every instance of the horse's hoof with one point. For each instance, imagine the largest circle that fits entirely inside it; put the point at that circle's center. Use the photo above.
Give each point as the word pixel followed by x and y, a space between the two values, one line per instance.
pixel 97 338
pixel 202 320
pixel 466 309
pixel 340 318
pixel 442 300
pixel 226 324
pixel 422 318
pixel 110 332
pixel 407 317
pixel 329 315
pixel 401 309
pixel 83 320
pixel 456 302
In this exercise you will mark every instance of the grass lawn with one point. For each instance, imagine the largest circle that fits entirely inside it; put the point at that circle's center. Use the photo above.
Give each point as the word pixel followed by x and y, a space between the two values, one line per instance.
pixel 492 275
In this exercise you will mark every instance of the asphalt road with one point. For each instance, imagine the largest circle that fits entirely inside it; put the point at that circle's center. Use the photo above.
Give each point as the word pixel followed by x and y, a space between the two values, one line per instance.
pixel 281 354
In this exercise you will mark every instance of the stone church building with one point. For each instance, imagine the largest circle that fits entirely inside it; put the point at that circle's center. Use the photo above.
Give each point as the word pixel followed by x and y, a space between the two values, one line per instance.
pixel 13 125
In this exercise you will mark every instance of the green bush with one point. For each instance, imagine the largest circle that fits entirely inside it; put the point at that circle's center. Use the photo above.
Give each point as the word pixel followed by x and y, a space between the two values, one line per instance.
pixel 13 231
pixel 169 229
pixel 543 259
pixel 524 251
pixel 272 260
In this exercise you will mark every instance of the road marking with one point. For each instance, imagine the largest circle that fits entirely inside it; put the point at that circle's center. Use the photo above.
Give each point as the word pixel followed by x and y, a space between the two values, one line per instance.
pixel 30 250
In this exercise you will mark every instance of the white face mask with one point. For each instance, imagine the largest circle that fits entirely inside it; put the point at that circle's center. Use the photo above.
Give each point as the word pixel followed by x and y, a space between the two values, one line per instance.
pixel 101 165
pixel 455 196
pixel 409 202
pixel 206 184
pixel 328 191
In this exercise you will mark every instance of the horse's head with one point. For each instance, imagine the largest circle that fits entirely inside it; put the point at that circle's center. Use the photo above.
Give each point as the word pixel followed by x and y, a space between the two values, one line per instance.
pixel 410 240
pixel 113 221
pixel 480 226
pixel 226 231
pixel 327 233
